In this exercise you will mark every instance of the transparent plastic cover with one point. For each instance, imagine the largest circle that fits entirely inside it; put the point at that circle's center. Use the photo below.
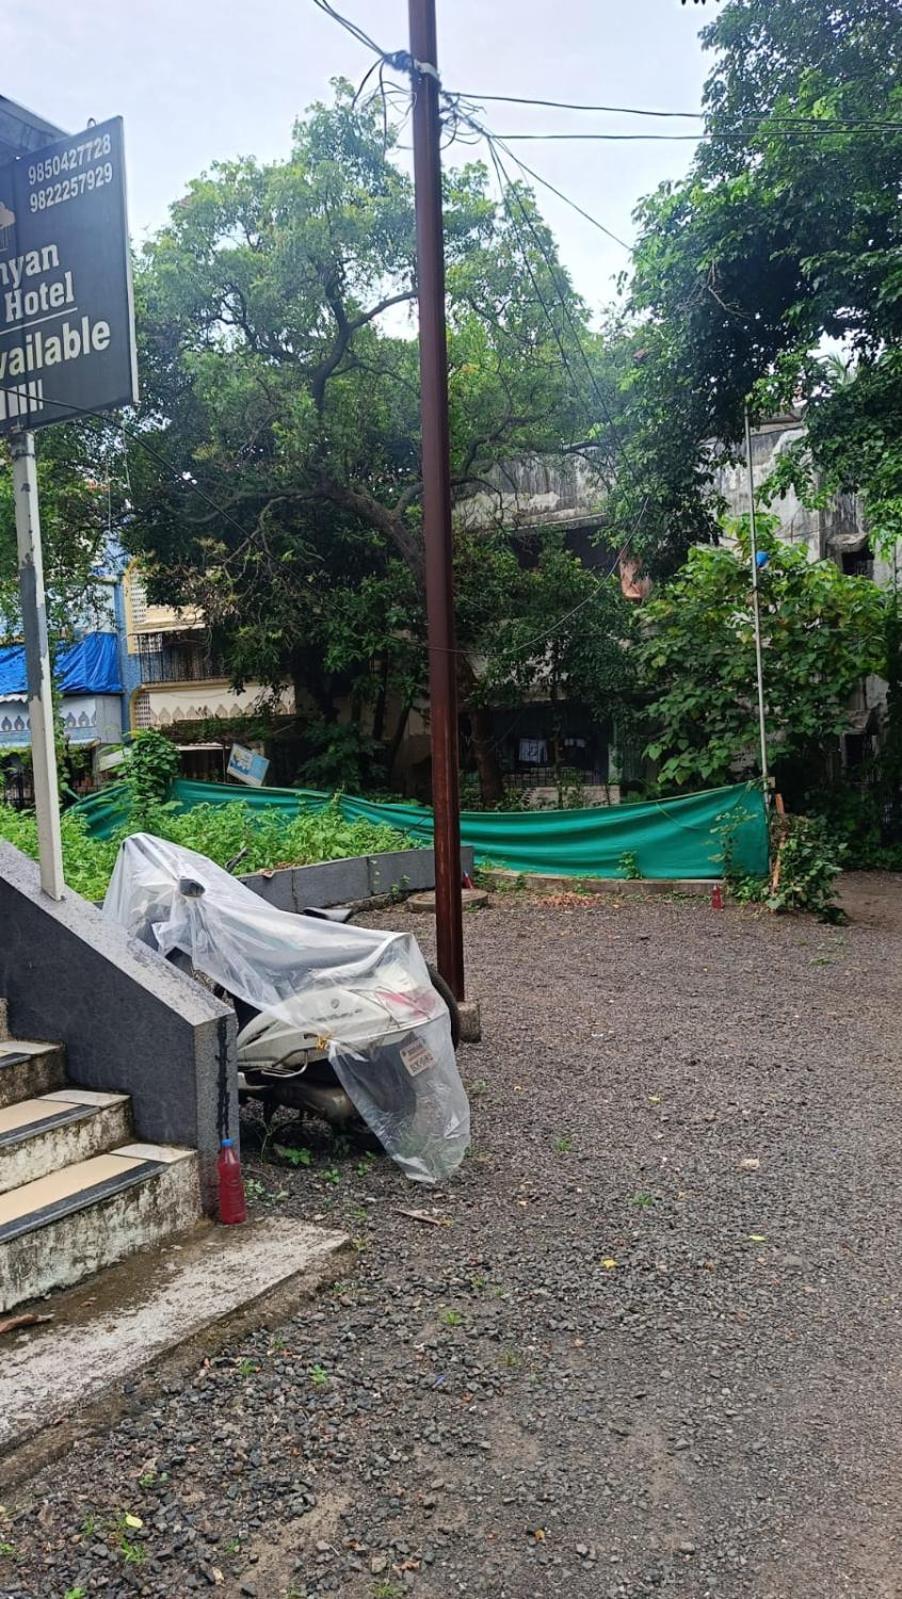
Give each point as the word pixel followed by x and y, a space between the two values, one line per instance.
pixel 360 995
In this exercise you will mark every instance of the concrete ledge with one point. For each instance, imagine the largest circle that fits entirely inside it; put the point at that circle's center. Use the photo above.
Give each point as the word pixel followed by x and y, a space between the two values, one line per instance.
pixel 472 899
pixel 538 882
pixel 140 1323
pixel 470 1021
pixel 350 880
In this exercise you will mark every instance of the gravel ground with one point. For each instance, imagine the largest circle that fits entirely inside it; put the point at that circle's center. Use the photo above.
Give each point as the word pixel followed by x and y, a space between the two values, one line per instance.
pixel 652 1347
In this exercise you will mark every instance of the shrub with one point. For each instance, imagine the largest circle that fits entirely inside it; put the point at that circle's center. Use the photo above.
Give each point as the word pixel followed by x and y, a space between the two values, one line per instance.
pixel 808 859
pixel 153 763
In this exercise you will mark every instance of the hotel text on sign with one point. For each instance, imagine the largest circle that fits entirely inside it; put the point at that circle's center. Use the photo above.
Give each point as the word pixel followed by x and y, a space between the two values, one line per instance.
pixel 66 316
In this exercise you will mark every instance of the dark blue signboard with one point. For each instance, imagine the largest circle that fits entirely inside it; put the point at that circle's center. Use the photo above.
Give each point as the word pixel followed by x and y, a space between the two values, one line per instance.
pixel 67 340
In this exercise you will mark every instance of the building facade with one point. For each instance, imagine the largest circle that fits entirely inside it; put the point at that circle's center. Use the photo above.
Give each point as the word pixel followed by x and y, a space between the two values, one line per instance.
pixel 174 682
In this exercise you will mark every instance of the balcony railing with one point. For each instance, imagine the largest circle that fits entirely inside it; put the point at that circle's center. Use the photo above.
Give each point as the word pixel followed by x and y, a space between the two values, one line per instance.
pixel 177 664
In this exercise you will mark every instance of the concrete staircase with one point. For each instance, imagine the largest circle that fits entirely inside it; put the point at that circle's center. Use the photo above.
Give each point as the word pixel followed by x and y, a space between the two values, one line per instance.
pixel 76 1191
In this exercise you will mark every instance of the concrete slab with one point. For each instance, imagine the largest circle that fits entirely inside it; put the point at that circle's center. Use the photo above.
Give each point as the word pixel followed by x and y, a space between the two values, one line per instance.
pixel 352 881
pixel 135 1324
pixel 424 904
pixel 470 1021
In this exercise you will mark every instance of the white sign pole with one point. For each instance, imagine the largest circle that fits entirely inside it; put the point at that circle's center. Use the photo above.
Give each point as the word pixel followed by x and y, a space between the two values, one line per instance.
pixel 37 658
pixel 756 606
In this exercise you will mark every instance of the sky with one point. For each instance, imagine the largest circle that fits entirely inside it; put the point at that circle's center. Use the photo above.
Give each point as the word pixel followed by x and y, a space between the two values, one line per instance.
pixel 204 80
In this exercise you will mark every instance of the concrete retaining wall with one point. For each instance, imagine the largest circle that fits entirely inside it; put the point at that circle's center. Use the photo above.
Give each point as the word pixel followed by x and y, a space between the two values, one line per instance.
pixel 348 881
pixel 130 1022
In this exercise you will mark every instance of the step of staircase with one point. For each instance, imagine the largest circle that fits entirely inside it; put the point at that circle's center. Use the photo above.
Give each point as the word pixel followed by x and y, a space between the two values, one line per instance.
pixel 29 1069
pixel 60 1228
pixel 77 1193
pixel 38 1136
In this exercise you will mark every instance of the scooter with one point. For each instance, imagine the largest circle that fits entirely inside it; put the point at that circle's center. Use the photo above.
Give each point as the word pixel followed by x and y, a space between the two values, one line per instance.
pixel 281 1063
pixel 340 1021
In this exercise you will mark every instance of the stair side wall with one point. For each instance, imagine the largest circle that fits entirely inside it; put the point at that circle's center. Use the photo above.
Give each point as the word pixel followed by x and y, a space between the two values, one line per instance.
pixel 130 1022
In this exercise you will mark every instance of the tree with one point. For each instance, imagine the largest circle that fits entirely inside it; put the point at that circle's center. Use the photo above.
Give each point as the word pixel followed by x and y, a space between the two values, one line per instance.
pixel 822 633
pixel 78 505
pixel 275 364
pixel 787 231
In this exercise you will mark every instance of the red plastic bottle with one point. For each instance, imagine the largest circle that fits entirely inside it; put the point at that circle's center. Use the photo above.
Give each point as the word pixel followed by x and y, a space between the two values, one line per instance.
pixel 232 1203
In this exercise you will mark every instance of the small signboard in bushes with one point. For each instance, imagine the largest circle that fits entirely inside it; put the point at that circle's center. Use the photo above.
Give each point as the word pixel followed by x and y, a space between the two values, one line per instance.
pixel 246 767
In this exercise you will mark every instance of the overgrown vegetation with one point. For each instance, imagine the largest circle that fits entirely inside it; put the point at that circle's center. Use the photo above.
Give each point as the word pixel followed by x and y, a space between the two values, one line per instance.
pixel 774 241
pixel 264 840
pixel 153 763
pixel 807 860
pixel 822 634
pixel 274 382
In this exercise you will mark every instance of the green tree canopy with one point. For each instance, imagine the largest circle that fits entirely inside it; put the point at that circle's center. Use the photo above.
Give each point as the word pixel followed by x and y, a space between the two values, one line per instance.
pixel 278 370
pixel 822 633
pixel 786 232
pixel 80 499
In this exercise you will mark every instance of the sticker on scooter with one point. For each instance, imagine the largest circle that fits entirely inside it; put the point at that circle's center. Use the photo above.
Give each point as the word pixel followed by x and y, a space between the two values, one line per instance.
pixel 417 1057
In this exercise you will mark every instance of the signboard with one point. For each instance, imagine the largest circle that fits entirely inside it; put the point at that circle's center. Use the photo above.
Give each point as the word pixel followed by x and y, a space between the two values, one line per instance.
pixel 247 767
pixel 67 339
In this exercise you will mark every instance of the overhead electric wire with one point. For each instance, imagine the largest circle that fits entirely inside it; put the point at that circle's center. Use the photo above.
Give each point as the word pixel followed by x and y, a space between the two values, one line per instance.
pixel 574 105
pixel 452 103
pixel 574 206
pixel 775 119
pixel 508 188
pixel 688 138
pixel 350 27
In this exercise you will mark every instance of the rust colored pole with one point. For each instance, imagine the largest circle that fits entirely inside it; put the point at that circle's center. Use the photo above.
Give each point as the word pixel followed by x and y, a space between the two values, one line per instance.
pixel 437 493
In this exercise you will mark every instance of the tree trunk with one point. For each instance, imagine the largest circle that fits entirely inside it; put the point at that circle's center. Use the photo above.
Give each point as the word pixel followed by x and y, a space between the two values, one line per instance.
pixel 381 701
pixel 308 678
pixel 485 749
pixel 394 743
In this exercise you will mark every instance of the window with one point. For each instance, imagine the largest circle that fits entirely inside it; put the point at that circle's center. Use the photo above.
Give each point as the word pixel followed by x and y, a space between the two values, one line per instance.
pixel 141 712
pixel 859 563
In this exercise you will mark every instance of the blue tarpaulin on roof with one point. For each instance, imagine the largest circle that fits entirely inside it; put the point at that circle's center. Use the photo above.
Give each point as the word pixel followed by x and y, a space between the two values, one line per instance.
pixel 89 667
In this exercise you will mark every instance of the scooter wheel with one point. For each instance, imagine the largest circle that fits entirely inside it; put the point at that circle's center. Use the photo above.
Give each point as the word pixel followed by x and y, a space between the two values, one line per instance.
pixel 441 987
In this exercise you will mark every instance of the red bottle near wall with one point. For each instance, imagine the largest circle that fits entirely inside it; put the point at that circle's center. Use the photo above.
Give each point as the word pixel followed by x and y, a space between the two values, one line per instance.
pixel 232 1203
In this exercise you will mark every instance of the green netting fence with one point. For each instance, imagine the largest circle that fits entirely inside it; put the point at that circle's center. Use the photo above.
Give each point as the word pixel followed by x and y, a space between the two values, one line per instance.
pixel 671 838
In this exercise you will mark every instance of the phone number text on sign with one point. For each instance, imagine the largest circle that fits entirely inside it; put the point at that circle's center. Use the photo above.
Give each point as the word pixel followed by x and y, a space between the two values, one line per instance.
pixel 76 156
pixel 71 188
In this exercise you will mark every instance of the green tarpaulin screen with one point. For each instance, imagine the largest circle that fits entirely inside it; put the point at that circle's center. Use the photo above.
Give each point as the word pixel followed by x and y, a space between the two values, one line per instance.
pixel 671 838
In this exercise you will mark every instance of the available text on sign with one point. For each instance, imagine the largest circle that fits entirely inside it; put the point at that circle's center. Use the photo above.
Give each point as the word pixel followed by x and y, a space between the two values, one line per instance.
pixel 66 317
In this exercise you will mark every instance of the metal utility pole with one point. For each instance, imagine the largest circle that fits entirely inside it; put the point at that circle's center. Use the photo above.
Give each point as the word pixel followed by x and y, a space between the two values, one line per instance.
pixel 437 492
pixel 37 660
pixel 756 607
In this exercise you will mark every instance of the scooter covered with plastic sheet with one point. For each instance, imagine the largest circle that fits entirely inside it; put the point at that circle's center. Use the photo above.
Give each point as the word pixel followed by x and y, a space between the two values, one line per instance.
pixel 329 1014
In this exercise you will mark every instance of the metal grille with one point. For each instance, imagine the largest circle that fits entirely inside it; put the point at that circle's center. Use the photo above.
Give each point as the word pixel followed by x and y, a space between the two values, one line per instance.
pixel 166 660
pixel 138 599
pixel 142 712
